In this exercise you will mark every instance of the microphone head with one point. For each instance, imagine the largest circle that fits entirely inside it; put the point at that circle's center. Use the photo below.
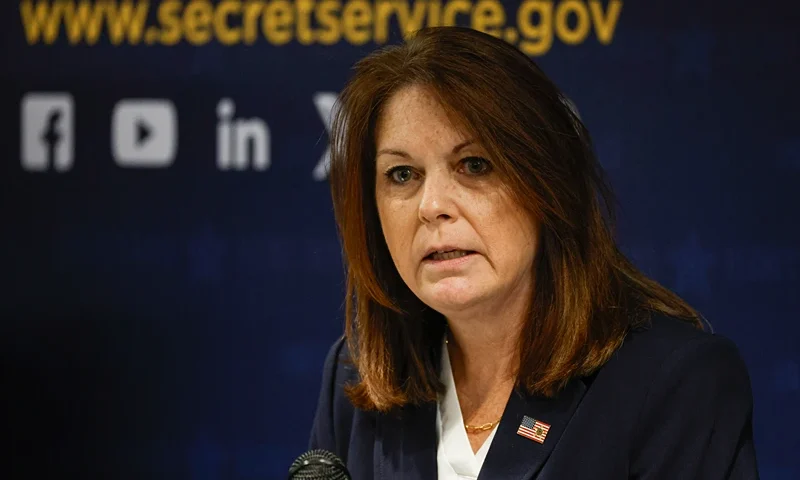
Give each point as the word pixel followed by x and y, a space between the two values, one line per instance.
pixel 318 465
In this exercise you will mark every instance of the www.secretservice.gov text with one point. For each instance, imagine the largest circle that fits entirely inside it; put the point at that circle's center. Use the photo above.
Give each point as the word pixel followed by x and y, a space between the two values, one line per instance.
pixel 532 27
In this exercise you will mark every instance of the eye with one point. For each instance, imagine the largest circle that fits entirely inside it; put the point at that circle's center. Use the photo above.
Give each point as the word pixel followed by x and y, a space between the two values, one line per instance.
pixel 476 165
pixel 400 174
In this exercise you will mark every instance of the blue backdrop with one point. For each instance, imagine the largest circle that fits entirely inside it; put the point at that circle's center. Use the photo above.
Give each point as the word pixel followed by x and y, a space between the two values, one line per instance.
pixel 172 276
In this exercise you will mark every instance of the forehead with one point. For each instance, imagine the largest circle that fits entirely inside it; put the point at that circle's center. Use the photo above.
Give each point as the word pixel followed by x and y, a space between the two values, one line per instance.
pixel 413 115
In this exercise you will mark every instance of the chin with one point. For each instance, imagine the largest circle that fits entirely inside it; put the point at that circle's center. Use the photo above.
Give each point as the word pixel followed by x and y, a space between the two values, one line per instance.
pixel 450 299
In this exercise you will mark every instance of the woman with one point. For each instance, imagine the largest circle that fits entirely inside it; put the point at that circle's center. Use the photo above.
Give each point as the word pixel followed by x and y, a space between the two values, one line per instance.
pixel 493 328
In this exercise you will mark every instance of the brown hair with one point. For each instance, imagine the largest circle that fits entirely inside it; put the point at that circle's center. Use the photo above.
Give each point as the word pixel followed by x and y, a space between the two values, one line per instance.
pixel 587 294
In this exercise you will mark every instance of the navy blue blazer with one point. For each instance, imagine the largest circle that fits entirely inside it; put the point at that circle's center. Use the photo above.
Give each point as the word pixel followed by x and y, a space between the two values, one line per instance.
pixel 672 403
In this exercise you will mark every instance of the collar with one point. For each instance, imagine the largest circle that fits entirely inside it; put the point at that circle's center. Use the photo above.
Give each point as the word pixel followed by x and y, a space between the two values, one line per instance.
pixel 406 442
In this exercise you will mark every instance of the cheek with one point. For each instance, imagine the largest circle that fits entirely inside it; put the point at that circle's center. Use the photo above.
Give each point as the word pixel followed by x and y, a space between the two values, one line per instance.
pixel 495 215
pixel 508 230
pixel 397 224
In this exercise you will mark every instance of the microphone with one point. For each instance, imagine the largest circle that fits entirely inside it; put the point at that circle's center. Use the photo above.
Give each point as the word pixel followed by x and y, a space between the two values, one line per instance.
pixel 318 465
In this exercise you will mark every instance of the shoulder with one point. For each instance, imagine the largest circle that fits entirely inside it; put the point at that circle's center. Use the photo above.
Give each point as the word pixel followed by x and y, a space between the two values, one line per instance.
pixel 338 372
pixel 338 358
pixel 333 419
pixel 671 362
pixel 689 393
pixel 665 343
pixel 671 366
pixel 339 364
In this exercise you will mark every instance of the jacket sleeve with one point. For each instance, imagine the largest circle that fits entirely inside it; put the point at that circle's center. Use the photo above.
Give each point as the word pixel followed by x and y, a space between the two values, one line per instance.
pixel 696 420
pixel 333 408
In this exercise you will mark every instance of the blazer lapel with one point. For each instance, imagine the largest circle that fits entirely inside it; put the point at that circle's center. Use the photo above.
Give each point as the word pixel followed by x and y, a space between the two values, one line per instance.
pixel 405 444
pixel 515 457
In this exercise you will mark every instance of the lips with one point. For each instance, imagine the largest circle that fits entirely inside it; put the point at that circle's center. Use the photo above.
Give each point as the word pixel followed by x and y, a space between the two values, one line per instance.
pixel 446 253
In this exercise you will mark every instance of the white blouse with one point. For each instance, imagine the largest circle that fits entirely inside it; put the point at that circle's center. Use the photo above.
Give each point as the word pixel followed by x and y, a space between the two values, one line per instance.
pixel 454 456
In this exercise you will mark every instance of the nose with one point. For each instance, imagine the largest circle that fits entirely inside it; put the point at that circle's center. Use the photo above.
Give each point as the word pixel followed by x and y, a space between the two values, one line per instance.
pixel 437 203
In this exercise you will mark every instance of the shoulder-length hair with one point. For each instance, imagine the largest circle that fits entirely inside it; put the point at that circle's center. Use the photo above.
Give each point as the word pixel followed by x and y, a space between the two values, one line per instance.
pixel 587 295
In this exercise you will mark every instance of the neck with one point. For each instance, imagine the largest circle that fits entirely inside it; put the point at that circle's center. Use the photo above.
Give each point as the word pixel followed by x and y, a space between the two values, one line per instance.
pixel 483 348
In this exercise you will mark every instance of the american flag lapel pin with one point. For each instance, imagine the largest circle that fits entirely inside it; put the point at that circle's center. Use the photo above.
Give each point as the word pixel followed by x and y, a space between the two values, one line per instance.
pixel 533 429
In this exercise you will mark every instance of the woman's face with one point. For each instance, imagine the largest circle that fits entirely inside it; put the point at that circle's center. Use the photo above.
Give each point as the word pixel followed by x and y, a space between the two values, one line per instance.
pixel 457 239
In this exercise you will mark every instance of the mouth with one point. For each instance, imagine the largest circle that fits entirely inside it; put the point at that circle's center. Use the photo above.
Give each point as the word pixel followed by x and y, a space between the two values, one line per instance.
pixel 442 255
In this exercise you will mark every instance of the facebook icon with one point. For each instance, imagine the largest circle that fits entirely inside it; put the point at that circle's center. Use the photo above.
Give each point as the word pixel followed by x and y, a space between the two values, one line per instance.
pixel 47 132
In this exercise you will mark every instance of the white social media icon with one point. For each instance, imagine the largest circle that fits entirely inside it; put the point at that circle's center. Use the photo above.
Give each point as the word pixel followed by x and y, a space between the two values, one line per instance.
pixel 47 131
pixel 242 143
pixel 324 101
pixel 144 133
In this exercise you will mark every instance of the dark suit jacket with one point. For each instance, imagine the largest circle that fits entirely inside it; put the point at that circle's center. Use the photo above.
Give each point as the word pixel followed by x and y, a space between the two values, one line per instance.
pixel 672 403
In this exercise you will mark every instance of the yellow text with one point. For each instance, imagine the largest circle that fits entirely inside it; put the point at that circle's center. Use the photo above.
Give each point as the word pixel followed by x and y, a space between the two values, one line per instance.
pixel 533 27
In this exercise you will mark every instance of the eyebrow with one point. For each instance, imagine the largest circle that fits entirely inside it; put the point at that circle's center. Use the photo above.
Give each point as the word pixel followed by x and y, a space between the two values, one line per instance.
pixel 404 154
